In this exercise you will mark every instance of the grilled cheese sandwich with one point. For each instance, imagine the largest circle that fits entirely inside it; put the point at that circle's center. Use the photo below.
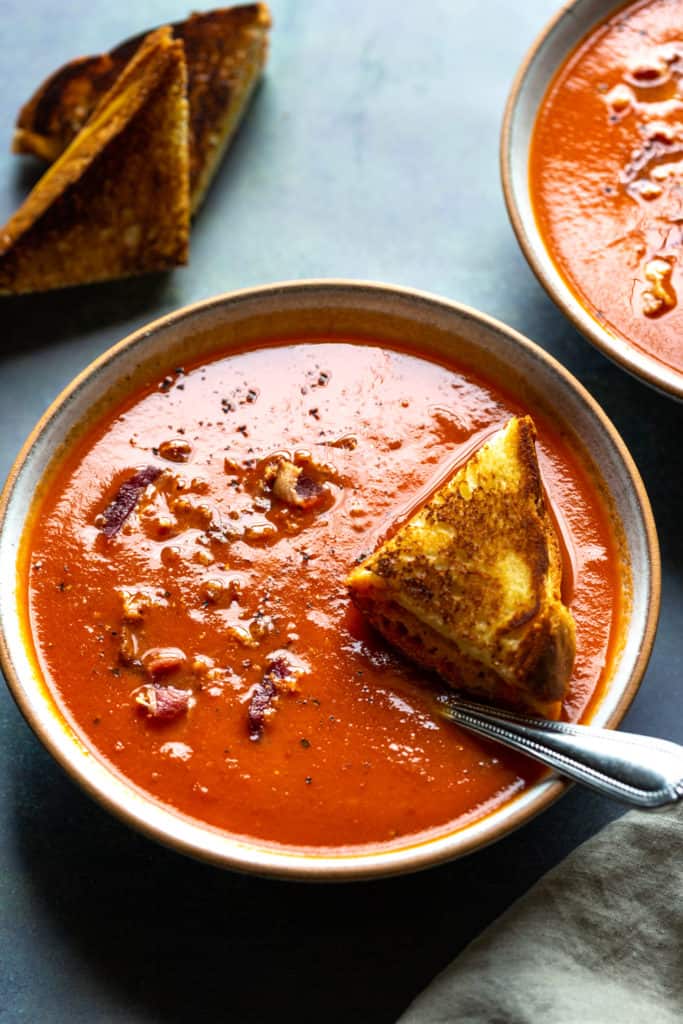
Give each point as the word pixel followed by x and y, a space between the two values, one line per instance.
pixel 117 200
pixel 225 50
pixel 470 586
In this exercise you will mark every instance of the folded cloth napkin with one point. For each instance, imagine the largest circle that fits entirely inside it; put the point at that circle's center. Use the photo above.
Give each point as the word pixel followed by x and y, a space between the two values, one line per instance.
pixel 597 940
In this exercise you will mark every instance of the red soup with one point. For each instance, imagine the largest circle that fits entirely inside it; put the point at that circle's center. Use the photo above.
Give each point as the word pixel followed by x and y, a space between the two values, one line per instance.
pixel 606 175
pixel 167 586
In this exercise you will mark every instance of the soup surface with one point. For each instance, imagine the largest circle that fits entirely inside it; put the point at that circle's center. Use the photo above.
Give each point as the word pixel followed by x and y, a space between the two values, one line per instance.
pixel 214 573
pixel 606 175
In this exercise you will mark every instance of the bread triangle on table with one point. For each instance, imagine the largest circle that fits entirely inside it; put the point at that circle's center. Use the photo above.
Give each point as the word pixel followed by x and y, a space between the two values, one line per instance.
pixel 470 585
pixel 117 200
pixel 225 51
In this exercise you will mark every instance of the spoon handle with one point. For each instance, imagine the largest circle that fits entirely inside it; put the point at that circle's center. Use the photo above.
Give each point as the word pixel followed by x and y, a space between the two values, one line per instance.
pixel 638 770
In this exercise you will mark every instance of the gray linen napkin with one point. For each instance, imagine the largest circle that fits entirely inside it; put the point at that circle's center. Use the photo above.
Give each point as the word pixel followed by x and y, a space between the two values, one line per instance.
pixel 597 940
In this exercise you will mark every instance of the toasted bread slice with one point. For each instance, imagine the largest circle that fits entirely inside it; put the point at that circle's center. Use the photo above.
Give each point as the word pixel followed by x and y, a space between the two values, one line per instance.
pixel 470 585
pixel 117 201
pixel 225 49
pixel 226 52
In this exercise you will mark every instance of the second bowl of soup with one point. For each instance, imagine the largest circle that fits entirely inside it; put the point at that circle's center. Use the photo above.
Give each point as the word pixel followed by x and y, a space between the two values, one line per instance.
pixel 592 162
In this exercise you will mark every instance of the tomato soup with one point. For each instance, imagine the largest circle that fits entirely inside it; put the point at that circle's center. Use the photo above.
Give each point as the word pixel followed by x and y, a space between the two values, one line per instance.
pixel 161 551
pixel 606 175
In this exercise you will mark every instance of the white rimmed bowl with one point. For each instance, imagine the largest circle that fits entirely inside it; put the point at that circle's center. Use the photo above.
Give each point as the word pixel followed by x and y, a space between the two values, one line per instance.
pixel 345 309
pixel 549 51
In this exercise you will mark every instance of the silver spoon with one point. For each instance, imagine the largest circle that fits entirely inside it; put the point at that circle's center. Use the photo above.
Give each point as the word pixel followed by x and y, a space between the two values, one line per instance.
pixel 638 770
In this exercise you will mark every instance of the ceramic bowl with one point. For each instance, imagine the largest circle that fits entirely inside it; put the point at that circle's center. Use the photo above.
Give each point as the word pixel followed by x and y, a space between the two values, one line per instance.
pixel 427 324
pixel 572 24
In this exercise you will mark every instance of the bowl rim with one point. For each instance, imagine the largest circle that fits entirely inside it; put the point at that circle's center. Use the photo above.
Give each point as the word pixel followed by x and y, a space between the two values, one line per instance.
pixel 645 367
pixel 244 854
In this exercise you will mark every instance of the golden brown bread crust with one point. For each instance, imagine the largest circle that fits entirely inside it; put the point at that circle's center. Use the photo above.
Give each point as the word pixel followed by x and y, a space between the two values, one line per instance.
pixel 470 585
pixel 50 120
pixel 225 50
pixel 117 201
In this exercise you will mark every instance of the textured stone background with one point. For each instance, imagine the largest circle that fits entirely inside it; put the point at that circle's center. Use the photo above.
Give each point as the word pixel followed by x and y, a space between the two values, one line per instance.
pixel 370 151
